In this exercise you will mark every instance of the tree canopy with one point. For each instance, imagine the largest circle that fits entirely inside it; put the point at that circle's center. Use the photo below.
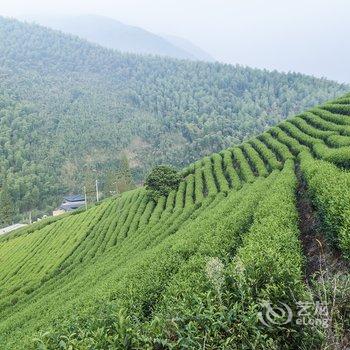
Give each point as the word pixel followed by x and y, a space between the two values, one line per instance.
pixel 161 181
pixel 70 111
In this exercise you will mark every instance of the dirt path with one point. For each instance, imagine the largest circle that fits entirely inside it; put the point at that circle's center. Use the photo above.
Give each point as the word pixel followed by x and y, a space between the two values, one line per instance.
pixel 319 255
pixel 325 271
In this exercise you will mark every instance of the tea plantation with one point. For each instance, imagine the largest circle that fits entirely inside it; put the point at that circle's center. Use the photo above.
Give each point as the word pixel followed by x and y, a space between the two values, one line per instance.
pixel 191 270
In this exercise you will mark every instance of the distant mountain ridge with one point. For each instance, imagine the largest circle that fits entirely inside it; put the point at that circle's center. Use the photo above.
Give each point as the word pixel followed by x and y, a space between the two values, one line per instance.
pixel 113 34
pixel 189 47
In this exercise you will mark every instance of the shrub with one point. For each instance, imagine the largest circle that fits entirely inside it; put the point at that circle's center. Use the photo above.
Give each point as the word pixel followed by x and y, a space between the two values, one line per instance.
pixel 337 119
pixel 266 154
pixel 279 148
pixel 161 181
pixel 329 188
pixel 241 163
pixel 338 108
pixel 293 144
pixel 310 129
pixel 339 156
pixel 254 160
pixel 338 141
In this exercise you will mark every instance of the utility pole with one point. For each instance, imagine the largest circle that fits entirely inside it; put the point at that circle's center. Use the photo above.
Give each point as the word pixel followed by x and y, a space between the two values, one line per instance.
pixel 97 194
pixel 85 198
pixel 116 188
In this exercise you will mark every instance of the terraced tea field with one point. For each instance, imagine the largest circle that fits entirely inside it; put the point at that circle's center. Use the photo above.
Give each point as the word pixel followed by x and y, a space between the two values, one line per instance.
pixel 190 270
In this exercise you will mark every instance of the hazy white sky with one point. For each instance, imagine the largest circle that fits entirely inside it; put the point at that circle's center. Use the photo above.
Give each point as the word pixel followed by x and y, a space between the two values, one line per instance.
pixel 309 36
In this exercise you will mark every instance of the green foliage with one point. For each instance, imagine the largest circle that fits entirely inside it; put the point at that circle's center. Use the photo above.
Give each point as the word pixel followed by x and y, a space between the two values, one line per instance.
pixel 199 186
pixel 293 144
pixel 341 100
pixel 268 265
pixel 311 130
pixel 330 190
pixel 339 156
pixel 186 271
pixel 210 188
pixel 190 278
pixel 124 180
pixel 271 252
pixel 266 154
pixel 232 175
pixel 338 140
pixel 6 207
pixel 89 106
pixel 338 108
pixel 326 125
pixel 242 164
pixel 219 174
pixel 254 159
pixel 161 181
pixel 296 133
pixel 331 117
pixel 281 151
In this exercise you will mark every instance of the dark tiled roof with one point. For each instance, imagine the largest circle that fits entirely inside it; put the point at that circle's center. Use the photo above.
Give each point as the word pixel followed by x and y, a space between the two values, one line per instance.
pixel 71 206
pixel 74 198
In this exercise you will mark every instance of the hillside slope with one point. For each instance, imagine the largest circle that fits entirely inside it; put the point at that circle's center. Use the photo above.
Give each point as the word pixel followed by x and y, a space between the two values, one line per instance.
pixel 85 106
pixel 192 269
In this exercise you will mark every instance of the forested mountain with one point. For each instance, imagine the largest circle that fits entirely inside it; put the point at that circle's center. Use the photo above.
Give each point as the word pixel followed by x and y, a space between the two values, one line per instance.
pixel 250 250
pixel 113 34
pixel 71 109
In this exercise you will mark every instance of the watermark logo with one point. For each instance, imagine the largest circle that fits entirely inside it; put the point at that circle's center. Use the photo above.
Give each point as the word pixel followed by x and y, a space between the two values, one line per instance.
pixel 275 315
pixel 307 313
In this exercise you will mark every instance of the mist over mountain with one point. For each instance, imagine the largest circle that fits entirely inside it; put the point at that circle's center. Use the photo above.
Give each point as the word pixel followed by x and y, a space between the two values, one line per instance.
pixel 113 34
pixel 188 46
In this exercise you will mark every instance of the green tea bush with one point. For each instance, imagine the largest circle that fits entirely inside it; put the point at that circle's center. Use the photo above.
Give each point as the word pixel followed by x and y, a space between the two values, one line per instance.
pixel 254 160
pixel 280 149
pixel 293 144
pixel 210 185
pixel 339 156
pixel 341 100
pixel 219 173
pixel 269 265
pixel 266 154
pixel 299 135
pixel 337 119
pixel 310 130
pixel 147 213
pixel 323 124
pixel 180 196
pixel 272 246
pixel 198 182
pixel 329 188
pixel 338 141
pixel 189 196
pixel 197 293
pixel 234 180
pixel 190 268
pixel 242 166
pixel 338 108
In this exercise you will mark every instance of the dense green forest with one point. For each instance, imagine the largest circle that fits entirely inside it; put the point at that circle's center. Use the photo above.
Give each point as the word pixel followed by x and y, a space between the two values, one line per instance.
pixel 72 111
pixel 262 223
